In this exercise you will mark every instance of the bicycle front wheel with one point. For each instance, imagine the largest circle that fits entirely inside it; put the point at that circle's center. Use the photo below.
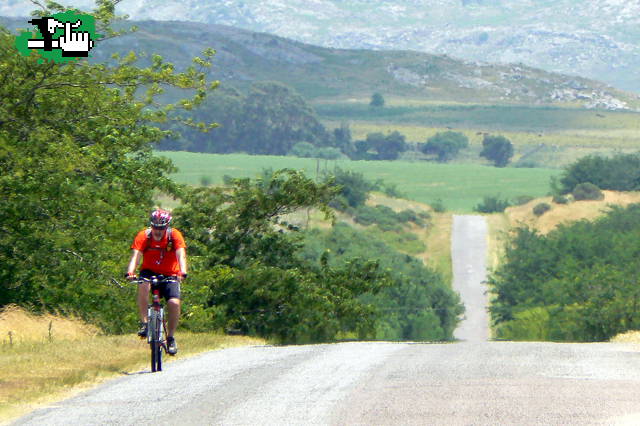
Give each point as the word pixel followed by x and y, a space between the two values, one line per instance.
pixel 155 328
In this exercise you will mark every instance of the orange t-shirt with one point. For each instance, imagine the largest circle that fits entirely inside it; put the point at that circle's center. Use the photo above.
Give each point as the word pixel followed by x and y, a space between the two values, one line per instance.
pixel 157 257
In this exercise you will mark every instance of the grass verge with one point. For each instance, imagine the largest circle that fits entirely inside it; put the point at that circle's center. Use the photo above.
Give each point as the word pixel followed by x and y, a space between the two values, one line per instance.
pixel 38 367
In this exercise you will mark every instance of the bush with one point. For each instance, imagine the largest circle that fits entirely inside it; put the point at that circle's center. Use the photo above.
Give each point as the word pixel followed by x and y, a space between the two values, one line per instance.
pixel 438 206
pixel 619 173
pixel 541 209
pixel 560 199
pixel 303 149
pixel 587 191
pixel 492 204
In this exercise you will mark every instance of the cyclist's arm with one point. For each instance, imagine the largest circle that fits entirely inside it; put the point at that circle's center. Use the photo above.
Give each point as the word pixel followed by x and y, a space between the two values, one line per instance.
pixel 182 259
pixel 136 255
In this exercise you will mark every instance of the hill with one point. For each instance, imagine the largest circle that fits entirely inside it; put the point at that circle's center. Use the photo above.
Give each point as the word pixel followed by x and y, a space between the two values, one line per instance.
pixel 596 39
pixel 316 72
pixel 566 213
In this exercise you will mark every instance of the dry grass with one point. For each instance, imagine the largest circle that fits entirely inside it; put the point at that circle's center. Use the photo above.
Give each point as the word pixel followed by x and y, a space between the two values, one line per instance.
pixel 37 369
pixel 628 337
pixel 566 213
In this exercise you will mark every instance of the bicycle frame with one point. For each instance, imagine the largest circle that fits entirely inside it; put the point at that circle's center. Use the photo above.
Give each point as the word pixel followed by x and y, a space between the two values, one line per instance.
pixel 157 326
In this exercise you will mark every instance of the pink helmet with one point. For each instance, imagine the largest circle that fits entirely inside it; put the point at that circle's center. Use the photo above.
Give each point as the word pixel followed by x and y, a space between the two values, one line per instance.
pixel 160 218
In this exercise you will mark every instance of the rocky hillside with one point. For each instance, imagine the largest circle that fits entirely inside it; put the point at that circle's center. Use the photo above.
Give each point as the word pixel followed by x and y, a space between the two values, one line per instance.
pixel 594 39
pixel 244 56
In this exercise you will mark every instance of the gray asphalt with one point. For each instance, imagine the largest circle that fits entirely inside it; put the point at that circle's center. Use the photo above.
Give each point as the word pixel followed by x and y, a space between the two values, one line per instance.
pixel 468 258
pixel 471 382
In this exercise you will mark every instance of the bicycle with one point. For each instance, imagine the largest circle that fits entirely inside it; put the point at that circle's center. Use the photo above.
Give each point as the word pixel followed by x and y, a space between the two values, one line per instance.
pixel 156 325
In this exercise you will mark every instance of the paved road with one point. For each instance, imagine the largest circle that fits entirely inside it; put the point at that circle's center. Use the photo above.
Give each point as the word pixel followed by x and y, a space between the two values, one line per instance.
pixel 468 255
pixel 474 381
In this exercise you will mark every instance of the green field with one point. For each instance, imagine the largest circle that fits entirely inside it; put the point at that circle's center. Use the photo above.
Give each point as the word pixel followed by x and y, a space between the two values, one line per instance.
pixel 460 187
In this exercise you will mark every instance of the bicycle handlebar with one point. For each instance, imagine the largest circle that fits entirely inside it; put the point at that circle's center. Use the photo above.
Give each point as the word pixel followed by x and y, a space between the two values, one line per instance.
pixel 158 278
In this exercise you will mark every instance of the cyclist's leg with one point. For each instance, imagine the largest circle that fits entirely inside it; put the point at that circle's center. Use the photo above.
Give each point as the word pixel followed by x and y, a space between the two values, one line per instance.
pixel 143 295
pixel 173 306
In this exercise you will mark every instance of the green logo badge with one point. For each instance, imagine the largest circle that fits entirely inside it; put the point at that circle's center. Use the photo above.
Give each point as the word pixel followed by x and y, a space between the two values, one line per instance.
pixel 62 37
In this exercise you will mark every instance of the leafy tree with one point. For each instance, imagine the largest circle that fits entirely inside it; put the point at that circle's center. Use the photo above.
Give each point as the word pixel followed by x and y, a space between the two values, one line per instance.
pixel 377 100
pixel 445 145
pixel 77 172
pixel 353 188
pixel 577 283
pixel 619 173
pixel 304 150
pixel 379 146
pixel 497 149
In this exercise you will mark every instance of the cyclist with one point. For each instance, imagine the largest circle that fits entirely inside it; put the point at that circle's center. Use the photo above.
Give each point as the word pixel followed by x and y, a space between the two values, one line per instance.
pixel 163 252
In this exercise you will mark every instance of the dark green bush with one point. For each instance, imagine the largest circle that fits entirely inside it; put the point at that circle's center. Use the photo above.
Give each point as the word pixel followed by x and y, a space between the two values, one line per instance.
pixel 587 191
pixel 560 199
pixel 541 209
pixel 492 204
pixel 619 173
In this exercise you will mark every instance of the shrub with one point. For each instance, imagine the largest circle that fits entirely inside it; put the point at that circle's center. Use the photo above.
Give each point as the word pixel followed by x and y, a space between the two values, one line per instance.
pixel 587 191
pixel 560 199
pixel 438 206
pixel 541 209
pixel 304 150
pixel 492 204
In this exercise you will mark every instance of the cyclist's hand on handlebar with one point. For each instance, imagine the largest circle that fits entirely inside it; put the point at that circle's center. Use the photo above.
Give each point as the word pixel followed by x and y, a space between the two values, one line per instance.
pixel 182 277
pixel 130 276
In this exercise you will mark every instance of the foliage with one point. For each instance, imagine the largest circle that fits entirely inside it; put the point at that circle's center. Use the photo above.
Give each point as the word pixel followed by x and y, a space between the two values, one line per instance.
pixel 619 173
pixel 560 199
pixel 445 145
pixel 385 217
pixel 492 204
pixel 354 188
pixel 497 149
pixel 379 146
pixel 77 172
pixel 377 100
pixel 583 276
pixel 249 276
pixel 270 119
pixel 303 150
pixel 419 305
pixel 587 191
pixel 541 208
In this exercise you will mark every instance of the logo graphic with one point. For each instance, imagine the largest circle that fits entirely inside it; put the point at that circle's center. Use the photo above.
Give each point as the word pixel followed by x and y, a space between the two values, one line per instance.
pixel 62 37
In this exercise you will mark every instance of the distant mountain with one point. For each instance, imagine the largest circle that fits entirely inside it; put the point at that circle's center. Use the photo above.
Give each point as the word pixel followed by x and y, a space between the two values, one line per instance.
pixel 598 39
pixel 320 73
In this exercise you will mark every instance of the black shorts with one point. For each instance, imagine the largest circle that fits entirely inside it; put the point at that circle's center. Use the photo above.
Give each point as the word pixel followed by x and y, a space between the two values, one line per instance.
pixel 169 289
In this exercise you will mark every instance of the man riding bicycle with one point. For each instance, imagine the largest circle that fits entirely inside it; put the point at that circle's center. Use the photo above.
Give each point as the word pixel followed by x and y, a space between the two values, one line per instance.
pixel 163 252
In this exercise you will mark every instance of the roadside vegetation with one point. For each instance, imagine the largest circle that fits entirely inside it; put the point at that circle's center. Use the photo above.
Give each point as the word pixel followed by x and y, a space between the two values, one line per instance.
pixel 569 271
pixel 45 357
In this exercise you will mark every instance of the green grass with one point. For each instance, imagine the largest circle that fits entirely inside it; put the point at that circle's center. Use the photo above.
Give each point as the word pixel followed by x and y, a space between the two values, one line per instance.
pixel 459 186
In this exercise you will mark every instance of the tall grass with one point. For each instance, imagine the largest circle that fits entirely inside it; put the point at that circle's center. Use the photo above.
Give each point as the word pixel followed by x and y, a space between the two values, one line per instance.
pixel 43 357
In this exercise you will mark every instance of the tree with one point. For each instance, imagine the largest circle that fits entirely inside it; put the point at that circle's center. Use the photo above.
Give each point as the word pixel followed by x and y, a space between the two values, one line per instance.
pixel 77 172
pixel 277 119
pixel 386 147
pixel 497 149
pixel 377 101
pixel 445 145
